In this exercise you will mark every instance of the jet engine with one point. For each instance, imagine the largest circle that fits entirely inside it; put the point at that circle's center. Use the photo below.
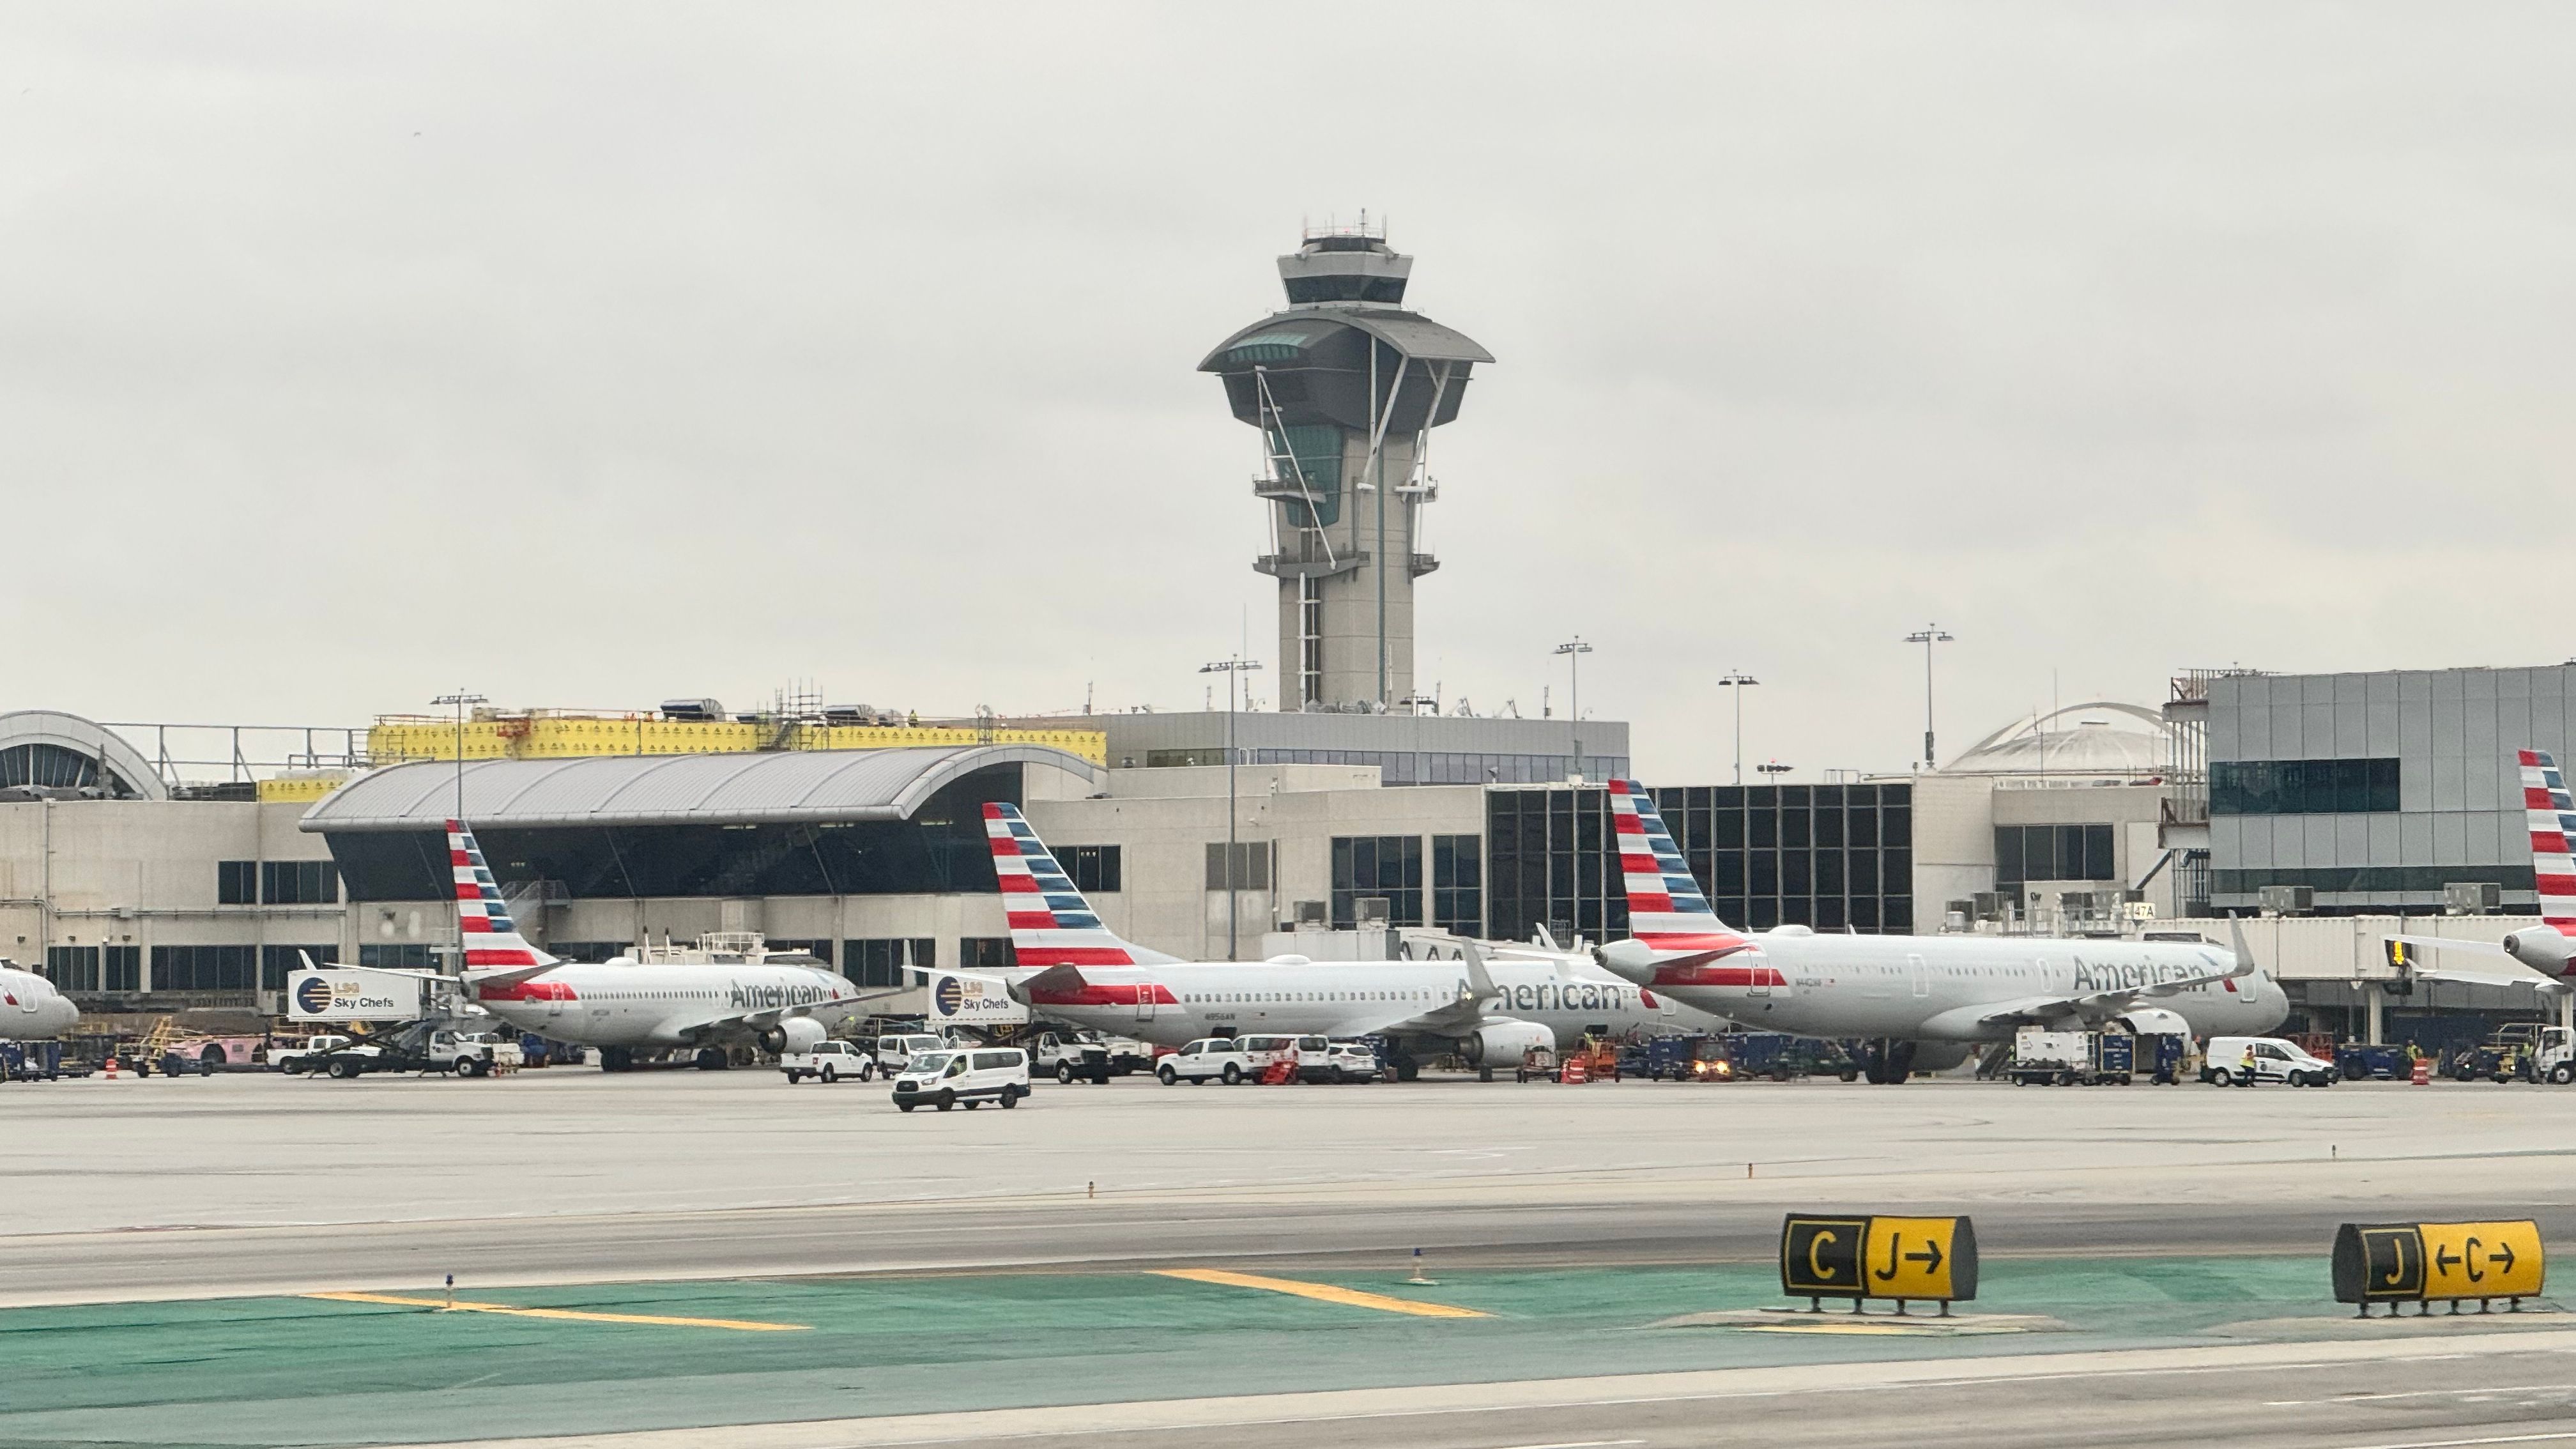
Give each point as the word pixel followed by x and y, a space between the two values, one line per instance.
pixel 2155 1021
pixel 2541 949
pixel 1502 1043
pixel 795 1034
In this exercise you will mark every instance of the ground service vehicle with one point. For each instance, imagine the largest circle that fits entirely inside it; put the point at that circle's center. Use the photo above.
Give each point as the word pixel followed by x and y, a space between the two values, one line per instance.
pixel 1350 1061
pixel 894 1053
pixel 1069 1056
pixel 2241 1061
pixel 427 1046
pixel 313 1056
pixel 1780 1056
pixel 829 1061
pixel 1680 1059
pixel 31 1061
pixel 2068 1058
pixel 1221 1057
pixel 2359 1061
pixel 972 1075
pixel 2549 1057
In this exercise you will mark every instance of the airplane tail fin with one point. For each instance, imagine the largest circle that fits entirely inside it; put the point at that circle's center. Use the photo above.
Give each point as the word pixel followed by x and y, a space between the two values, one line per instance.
pixel 1051 923
pixel 1665 907
pixel 495 953
pixel 2553 818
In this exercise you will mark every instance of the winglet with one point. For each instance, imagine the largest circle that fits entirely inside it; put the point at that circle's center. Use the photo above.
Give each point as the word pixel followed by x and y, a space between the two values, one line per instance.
pixel 2244 953
pixel 1479 980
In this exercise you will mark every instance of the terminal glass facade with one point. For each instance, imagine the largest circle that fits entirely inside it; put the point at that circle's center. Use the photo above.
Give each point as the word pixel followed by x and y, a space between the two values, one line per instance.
pixel 1827 856
pixel 2378 790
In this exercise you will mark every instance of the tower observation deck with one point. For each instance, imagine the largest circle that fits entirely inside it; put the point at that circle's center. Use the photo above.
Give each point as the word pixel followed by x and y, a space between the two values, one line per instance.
pixel 1345 386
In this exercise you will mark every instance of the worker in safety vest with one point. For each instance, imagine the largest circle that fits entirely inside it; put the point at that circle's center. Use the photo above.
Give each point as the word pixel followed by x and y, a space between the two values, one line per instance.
pixel 2247 1066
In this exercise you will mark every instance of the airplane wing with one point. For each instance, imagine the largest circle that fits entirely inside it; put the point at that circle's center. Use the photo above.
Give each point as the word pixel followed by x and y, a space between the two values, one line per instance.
pixel 1456 1017
pixel 2102 1005
pixel 2516 975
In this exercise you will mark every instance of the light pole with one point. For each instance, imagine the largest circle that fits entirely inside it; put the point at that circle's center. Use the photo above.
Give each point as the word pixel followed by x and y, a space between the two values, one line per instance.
pixel 1574 649
pixel 462 701
pixel 1231 669
pixel 1927 636
pixel 1739 682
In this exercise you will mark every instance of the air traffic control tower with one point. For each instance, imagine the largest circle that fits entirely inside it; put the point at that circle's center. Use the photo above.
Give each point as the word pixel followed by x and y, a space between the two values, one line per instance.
pixel 1345 386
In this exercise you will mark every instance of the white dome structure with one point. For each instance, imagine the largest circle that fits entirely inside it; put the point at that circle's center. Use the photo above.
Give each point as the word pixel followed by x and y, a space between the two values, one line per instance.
pixel 2098 740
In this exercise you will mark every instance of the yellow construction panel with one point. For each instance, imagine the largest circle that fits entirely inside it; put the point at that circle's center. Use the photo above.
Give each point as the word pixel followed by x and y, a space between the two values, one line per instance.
pixel 301 787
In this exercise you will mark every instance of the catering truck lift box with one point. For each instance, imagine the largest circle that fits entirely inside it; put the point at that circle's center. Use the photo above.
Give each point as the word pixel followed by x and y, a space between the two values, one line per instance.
pixel 2067 1058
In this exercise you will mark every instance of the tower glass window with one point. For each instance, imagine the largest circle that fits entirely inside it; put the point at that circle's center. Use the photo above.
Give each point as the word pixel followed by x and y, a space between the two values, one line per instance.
pixel 1309 454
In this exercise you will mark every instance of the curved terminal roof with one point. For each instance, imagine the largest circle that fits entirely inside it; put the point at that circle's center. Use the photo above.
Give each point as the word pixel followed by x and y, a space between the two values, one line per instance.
pixel 66 744
pixel 2104 739
pixel 793 786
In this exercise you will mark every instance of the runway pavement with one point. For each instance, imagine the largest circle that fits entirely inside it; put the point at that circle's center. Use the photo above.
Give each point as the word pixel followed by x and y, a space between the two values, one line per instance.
pixel 157 1191
pixel 163 1188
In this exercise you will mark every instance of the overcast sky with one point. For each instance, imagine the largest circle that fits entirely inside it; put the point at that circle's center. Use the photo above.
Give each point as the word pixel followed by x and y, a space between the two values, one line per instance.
pixel 593 355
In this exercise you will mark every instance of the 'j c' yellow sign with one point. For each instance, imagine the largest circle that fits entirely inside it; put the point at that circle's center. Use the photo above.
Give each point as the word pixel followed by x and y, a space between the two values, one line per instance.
pixel 1907 1259
pixel 2429 1262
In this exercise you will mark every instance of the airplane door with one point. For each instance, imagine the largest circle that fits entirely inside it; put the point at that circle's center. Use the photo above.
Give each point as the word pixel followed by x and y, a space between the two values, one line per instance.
pixel 1758 979
pixel 1145 1003
pixel 554 1007
pixel 1921 973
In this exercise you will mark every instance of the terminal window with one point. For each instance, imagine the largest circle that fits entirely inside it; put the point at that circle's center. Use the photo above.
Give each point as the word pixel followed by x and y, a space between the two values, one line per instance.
pixel 985 952
pixel 1251 865
pixel 1377 865
pixel 1458 884
pixel 2053 852
pixel 275 962
pixel 236 882
pixel 880 961
pixel 2302 787
pixel 1827 856
pixel 298 883
pixel 202 968
pixel 1090 867
pixel 72 968
pixel 407 956
pixel 122 966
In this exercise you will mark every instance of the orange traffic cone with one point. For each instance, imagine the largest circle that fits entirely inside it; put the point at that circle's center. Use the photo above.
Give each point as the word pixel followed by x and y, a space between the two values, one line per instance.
pixel 111 1069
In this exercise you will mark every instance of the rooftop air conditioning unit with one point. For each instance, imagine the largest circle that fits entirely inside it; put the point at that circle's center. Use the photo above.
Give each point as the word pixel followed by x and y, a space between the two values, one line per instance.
pixel 2289 900
pixel 1994 905
pixel 2472 898
pixel 1315 914
pixel 1372 912
pixel 693 709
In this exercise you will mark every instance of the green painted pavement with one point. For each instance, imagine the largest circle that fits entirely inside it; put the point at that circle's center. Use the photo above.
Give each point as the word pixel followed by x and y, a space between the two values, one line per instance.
pixel 301 1371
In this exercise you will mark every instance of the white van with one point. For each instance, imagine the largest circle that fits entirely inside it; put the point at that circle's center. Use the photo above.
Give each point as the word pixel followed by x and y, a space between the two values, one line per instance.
pixel 894 1053
pixel 2227 1064
pixel 972 1075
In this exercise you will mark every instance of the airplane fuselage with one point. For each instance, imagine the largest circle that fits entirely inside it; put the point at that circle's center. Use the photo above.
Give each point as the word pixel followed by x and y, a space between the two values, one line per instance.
pixel 665 1003
pixel 1172 1005
pixel 31 1009
pixel 1938 988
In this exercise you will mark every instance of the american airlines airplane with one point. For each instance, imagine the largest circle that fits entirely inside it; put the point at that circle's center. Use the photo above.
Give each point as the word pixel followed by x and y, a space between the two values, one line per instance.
pixel 2549 948
pixel 623 1006
pixel 1925 1001
pixel 1489 1011
pixel 31 1009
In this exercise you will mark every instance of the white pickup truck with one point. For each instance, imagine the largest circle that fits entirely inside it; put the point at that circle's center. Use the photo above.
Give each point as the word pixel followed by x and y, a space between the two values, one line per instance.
pixel 1075 1056
pixel 426 1047
pixel 313 1056
pixel 829 1061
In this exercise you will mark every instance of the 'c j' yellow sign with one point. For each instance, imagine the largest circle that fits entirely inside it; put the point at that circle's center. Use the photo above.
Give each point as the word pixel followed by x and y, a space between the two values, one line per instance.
pixel 2421 1262
pixel 1921 1259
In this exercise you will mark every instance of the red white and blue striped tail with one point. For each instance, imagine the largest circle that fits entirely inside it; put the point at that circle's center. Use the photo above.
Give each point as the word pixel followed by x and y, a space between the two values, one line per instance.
pixel 2553 819
pixel 1665 908
pixel 492 941
pixel 1051 923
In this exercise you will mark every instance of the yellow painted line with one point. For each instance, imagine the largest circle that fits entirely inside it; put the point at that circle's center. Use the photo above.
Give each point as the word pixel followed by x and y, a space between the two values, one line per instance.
pixel 1323 1292
pixel 738 1325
